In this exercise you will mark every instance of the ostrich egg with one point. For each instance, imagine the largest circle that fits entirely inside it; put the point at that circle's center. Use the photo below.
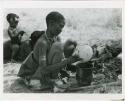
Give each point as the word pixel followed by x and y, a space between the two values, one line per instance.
pixel 85 52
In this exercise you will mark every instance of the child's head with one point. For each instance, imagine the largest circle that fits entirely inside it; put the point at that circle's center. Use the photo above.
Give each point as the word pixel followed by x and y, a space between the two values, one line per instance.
pixel 12 19
pixel 69 47
pixel 35 36
pixel 55 22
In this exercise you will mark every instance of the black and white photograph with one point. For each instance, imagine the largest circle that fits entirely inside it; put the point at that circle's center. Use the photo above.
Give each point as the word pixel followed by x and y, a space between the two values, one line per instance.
pixel 62 50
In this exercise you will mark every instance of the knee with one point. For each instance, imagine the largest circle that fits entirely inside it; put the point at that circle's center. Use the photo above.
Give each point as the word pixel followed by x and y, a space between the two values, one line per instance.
pixel 58 46
pixel 15 47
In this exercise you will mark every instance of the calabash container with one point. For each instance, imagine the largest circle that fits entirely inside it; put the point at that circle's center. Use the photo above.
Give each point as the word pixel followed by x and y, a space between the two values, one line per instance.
pixel 84 69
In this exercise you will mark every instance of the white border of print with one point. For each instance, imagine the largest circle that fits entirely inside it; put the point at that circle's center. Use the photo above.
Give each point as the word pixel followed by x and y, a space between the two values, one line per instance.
pixel 60 4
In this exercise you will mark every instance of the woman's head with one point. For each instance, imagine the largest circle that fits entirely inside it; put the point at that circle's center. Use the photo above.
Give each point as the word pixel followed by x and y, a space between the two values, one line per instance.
pixel 55 22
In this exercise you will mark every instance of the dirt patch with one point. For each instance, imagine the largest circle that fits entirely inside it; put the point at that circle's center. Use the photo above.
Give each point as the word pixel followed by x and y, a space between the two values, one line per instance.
pixel 14 84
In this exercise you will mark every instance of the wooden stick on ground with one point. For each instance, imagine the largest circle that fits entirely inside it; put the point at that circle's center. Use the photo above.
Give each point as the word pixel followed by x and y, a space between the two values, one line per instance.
pixel 93 87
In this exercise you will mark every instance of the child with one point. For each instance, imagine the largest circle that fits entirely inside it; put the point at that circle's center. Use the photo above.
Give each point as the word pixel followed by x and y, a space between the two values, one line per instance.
pixel 14 34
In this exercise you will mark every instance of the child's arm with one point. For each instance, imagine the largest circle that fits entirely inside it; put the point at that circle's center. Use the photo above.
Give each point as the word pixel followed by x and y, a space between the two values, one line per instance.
pixel 13 33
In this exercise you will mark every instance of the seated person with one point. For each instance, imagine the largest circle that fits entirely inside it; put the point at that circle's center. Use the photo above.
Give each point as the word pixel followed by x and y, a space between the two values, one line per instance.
pixel 14 34
pixel 43 64
pixel 27 46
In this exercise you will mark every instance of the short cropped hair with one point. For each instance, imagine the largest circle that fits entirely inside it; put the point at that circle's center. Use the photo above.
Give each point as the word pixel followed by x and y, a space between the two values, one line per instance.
pixel 68 51
pixel 11 15
pixel 35 35
pixel 54 16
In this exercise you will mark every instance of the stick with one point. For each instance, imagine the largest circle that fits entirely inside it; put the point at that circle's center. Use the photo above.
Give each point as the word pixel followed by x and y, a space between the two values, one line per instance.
pixel 118 83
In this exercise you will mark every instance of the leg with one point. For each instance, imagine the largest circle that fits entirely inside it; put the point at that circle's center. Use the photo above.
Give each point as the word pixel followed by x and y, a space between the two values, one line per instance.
pixel 56 53
pixel 15 49
pixel 55 56
pixel 7 50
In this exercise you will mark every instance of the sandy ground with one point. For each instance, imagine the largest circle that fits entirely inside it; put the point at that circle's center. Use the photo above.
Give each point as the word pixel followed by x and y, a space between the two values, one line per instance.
pixel 14 84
